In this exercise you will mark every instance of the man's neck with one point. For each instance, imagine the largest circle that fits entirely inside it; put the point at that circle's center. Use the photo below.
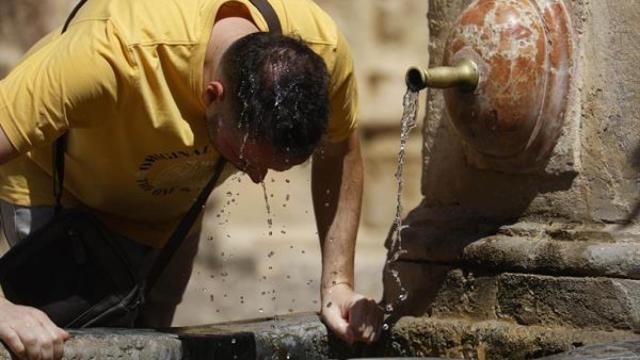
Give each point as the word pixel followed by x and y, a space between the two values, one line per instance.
pixel 224 33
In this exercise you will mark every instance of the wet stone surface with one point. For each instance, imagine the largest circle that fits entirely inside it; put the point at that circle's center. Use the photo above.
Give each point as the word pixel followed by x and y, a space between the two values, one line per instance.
pixel 629 350
pixel 119 344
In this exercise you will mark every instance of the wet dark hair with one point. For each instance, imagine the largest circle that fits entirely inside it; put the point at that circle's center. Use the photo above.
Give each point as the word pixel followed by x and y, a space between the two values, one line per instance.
pixel 279 89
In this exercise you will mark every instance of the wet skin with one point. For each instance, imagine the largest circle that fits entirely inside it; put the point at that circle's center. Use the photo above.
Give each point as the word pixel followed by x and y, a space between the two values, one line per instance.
pixel 251 156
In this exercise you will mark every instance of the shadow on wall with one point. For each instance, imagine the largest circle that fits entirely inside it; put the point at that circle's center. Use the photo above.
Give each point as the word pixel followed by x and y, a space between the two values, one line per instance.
pixel 635 161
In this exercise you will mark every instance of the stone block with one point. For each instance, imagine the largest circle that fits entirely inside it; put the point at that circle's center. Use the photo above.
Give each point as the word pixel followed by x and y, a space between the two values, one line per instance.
pixel 600 303
pixel 527 299
pixel 466 295
pixel 487 340
pixel 577 253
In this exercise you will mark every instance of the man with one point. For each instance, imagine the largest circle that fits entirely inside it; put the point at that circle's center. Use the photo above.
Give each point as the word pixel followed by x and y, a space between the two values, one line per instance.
pixel 149 94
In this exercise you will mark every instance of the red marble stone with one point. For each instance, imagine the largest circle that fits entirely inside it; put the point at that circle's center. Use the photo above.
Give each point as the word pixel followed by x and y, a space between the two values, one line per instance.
pixel 523 49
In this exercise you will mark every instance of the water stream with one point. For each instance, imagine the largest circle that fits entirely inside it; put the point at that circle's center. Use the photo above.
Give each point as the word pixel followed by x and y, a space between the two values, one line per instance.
pixel 407 123
pixel 266 201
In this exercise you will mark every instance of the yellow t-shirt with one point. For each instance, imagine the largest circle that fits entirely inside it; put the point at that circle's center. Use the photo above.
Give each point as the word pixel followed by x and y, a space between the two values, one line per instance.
pixel 125 83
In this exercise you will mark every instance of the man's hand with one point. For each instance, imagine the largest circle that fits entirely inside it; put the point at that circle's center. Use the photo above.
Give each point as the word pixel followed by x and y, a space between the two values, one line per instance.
pixel 351 316
pixel 29 333
pixel 337 179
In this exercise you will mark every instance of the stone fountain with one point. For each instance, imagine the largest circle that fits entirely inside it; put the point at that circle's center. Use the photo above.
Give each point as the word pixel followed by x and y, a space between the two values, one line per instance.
pixel 526 242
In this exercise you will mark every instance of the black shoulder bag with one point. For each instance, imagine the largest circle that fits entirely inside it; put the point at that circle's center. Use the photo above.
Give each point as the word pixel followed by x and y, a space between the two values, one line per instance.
pixel 74 268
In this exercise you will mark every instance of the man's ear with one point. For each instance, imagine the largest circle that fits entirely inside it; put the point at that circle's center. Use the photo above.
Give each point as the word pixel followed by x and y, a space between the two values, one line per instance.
pixel 214 91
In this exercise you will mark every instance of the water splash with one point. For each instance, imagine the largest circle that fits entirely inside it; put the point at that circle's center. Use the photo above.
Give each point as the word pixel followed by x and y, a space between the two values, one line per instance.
pixel 266 201
pixel 408 122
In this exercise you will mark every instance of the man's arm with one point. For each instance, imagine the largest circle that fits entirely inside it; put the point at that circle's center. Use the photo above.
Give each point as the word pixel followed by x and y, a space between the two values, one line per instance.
pixel 337 181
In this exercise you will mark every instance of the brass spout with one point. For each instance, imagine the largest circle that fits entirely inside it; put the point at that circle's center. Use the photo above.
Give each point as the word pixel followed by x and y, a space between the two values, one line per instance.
pixel 464 75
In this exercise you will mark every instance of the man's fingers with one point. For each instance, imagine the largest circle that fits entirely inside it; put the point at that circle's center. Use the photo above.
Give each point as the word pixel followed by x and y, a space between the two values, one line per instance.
pixel 338 325
pixel 361 320
pixel 365 320
pixel 53 346
pixel 46 344
pixel 341 328
pixel 29 333
pixel 29 336
pixel 357 317
pixel 12 340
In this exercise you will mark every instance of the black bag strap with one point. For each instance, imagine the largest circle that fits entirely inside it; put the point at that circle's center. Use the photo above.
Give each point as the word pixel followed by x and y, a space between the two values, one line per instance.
pixel 60 144
pixel 181 231
pixel 269 15
pixel 73 14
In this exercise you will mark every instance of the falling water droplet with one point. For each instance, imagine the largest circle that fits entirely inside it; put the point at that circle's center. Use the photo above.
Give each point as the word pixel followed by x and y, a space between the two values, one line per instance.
pixel 266 201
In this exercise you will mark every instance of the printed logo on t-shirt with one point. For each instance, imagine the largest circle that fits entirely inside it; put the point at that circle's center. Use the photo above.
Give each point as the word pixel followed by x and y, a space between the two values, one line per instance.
pixel 176 171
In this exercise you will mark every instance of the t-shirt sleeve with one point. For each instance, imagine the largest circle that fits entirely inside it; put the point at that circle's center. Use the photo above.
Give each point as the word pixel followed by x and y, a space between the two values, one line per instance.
pixel 56 87
pixel 343 94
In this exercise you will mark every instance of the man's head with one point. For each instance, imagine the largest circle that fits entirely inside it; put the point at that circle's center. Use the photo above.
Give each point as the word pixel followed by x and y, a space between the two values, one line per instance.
pixel 271 107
